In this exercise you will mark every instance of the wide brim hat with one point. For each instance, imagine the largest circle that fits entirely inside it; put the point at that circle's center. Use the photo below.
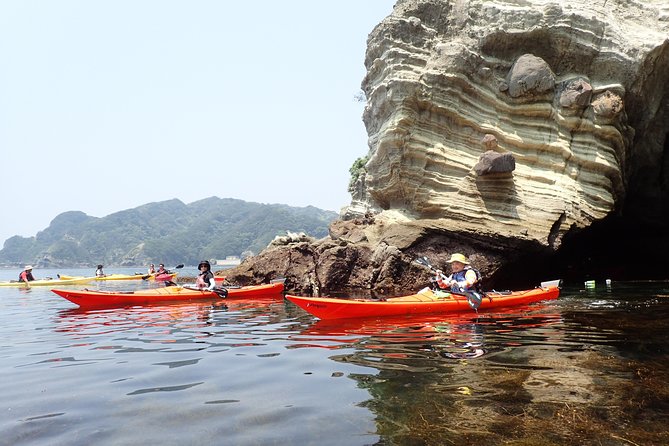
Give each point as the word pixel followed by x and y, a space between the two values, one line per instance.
pixel 28 267
pixel 458 258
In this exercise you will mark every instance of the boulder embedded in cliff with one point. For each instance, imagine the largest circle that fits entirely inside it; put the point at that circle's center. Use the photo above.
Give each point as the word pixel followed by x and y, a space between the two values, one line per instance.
pixel 492 162
pixel 530 76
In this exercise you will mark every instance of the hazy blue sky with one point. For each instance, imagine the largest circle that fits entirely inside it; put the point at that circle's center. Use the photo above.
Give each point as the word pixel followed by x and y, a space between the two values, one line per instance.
pixel 107 105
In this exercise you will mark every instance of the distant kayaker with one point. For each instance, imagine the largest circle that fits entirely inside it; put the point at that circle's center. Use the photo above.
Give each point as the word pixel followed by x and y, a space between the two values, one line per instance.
pixel 206 278
pixel 161 269
pixel 27 274
pixel 99 272
pixel 152 269
pixel 463 276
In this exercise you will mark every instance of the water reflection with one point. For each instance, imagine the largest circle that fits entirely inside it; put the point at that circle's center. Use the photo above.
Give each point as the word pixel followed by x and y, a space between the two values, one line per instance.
pixel 106 321
pixel 456 336
pixel 182 314
pixel 590 368
pixel 550 374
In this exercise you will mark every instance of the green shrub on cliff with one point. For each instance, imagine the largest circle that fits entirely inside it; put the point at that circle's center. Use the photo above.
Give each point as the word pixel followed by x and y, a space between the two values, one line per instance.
pixel 357 169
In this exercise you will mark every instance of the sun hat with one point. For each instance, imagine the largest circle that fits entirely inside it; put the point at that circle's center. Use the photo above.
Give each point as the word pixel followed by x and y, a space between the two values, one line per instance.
pixel 458 258
pixel 28 267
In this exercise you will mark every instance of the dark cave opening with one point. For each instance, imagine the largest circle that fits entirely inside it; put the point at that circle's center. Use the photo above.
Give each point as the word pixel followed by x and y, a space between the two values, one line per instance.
pixel 617 248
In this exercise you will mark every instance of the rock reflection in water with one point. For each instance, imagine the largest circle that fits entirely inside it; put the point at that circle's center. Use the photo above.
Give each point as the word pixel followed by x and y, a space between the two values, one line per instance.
pixel 537 376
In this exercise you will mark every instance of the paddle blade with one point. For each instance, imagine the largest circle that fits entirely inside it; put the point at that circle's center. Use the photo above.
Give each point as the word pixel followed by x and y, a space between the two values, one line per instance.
pixel 425 262
pixel 179 266
pixel 474 299
pixel 222 292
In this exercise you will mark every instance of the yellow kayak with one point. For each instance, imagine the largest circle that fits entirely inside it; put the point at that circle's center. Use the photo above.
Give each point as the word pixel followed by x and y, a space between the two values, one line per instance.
pixel 163 277
pixel 48 282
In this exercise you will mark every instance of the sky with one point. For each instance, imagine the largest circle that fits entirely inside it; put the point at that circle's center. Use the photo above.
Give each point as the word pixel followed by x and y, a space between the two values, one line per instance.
pixel 108 105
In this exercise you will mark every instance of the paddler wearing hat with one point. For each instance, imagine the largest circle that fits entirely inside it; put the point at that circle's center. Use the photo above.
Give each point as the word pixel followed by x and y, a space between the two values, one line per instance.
pixel 463 276
pixel 27 274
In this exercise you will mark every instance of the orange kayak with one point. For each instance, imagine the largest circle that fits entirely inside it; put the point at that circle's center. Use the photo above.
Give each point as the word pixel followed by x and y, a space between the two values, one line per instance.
pixel 100 299
pixel 424 302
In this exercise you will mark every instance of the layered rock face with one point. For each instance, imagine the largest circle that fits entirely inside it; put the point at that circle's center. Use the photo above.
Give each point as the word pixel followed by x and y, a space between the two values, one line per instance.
pixel 498 129
pixel 575 92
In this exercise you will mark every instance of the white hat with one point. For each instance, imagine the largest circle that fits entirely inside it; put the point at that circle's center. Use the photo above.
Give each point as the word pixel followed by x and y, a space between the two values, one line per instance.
pixel 28 267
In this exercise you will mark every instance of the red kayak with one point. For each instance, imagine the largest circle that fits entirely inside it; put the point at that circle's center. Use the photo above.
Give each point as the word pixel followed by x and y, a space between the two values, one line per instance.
pixel 165 277
pixel 96 299
pixel 424 302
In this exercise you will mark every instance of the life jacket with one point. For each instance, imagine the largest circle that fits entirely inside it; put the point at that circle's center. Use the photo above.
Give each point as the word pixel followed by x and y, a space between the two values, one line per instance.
pixel 460 277
pixel 26 276
pixel 204 279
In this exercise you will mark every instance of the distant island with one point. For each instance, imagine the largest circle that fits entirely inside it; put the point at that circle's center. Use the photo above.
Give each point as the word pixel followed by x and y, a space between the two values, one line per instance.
pixel 168 232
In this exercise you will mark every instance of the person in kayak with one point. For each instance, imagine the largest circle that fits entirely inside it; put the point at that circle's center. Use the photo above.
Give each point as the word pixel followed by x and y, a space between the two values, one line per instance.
pixel 161 269
pixel 99 272
pixel 152 269
pixel 463 277
pixel 206 278
pixel 27 274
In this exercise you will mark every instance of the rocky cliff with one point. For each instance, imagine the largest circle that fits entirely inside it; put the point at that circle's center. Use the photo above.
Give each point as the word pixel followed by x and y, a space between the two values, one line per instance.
pixel 501 128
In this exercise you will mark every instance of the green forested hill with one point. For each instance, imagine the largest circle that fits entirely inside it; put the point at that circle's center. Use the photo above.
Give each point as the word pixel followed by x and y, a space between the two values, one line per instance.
pixel 170 232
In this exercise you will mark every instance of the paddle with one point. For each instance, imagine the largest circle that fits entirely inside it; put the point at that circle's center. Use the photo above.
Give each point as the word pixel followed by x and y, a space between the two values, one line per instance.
pixel 473 299
pixel 179 266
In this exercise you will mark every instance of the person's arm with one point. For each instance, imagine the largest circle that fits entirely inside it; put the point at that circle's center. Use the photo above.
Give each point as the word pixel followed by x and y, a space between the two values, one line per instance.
pixel 24 277
pixel 442 280
pixel 470 279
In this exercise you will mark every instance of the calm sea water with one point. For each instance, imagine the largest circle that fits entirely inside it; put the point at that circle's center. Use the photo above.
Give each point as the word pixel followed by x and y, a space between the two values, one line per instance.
pixel 589 368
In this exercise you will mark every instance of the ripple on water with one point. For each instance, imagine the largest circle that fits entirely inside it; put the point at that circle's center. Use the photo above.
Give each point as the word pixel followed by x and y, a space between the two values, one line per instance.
pixel 197 373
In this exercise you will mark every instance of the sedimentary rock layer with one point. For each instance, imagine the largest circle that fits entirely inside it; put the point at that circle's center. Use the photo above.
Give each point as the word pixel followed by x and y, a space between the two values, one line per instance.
pixel 499 129
pixel 576 92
